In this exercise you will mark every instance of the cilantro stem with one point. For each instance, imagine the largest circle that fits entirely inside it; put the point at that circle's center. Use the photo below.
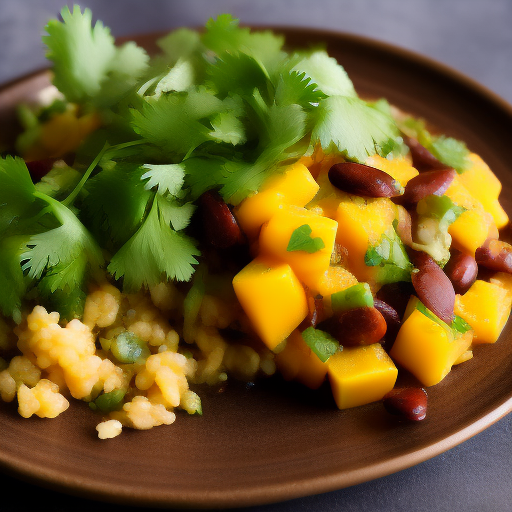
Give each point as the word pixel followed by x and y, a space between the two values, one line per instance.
pixel 69 200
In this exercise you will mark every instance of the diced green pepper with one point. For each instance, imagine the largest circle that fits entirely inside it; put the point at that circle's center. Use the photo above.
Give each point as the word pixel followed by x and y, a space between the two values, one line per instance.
pixel 127 347
pixel 108 402
pixel 321 343
pixel 357 296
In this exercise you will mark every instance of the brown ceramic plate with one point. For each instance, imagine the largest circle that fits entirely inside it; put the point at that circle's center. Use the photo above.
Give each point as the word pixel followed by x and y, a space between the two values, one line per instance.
pixel 273 441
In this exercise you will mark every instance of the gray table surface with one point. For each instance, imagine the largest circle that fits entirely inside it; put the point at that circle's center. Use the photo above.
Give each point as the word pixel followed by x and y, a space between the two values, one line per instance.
pixel 473 37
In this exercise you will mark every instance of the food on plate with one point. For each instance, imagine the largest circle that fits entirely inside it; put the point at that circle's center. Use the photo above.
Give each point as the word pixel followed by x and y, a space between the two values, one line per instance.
pixel 228 209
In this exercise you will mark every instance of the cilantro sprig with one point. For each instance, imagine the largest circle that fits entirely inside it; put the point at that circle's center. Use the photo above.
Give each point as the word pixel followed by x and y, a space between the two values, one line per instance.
pixel 223 109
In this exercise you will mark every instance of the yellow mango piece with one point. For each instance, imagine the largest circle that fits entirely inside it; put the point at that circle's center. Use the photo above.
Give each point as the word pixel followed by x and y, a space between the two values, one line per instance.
pixel 275 236
pixel 484 186
pixel 398 168
pixel 473 226
pixel 486 307
pixel 361 223
pixel 427 349
pixel 294 185
pixel 298 362
pixel 333 280
pixel 361 375
pixel 470 230
pixel 329 197
pixel 272 297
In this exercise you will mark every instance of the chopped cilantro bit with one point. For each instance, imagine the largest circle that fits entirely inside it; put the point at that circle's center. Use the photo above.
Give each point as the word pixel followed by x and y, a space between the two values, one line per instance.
pixel 301 240
pixel 321 343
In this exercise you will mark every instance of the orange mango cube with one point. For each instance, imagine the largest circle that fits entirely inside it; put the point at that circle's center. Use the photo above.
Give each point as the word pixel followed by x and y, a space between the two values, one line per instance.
pixel 272 297
pixel 484 186
pixel 427 349
pixel 360 375
pixel 298 362
pixel 293 186
pixel 275 237
pixel 486 307
pixel 398 168
pixel 361 223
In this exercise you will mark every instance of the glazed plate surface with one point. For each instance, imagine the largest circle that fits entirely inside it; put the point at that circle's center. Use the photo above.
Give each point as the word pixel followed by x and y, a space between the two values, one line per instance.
pixel 274 441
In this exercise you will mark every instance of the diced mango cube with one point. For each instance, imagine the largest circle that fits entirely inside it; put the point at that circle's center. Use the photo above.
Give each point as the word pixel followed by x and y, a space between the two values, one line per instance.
pixel 470 230
pixel 398 168
pixel 298 362
pixel 486 307
pixel 275 237
pixel 328 197
pixel 484 186
pixel 294 186
pixel 361 223
pixel 474 225
pixel 360 375
pixel 334 279
pixel 427 349
pixel 272 297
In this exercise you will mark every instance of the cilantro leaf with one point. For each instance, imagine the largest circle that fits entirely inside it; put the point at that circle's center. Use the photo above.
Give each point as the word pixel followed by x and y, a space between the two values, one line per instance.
pixel 297 87
pixel 13 284
pixel 180 44
pixel 329 76
pixel 173 122
pixel 239 73
pixel 179 78
pixel 16 191
pixel 351 127
pixel 167 178
pixel 60 250
pixel 301 240
pixel 115 204
pixel 86 62
pixel 155 252
pixel 321 343
pixel 227 127
pixel 224 35
pixel 81 54
pixel 175 214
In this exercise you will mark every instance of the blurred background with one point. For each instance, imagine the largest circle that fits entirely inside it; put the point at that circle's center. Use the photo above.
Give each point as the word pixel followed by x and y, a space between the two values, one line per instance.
pixel 471 36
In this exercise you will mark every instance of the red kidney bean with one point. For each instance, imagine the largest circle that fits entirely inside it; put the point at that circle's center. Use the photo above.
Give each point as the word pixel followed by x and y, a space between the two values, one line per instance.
pixel 39 168
pixel 422 158
pixel 363 180
pixel 426 184
pixel 408 403
pixel 359 326
pixel 462 270
pixel 219 224
pixel 397 295
pixel 392 319
pixel 316 313
pixel 495 255
pixel 432 286
pixel 389 314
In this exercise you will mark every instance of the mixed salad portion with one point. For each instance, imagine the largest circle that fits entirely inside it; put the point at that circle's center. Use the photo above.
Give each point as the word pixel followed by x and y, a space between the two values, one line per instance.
pixel 225 208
